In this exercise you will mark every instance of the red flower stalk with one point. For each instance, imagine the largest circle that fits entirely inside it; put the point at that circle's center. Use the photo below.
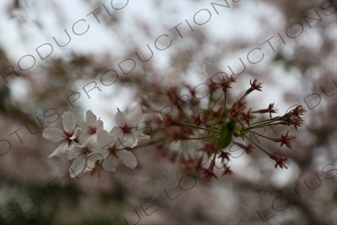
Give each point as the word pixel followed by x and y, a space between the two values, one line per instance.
pixel 292 120
pixel 269 110
pixel 256 85
pixel 232 78
pixel 167 121
pixel 280 161
pixel 213 86
pixel 224 155
pixel 234 111
pixel 210 148
pixel 247 117
pixel 191 90
pixel 97 169
pixel 162 152
pixel 225 82
pixel 172 156
pixel 241 104
pixel 192 164
pixel 217 113
pixel 285 139
pixel 197 120
pixel 237 108
pixel 298 111
pixel 227 171
pixel 248 148
pixel 175 135
pixel 208 173
pixel 172 93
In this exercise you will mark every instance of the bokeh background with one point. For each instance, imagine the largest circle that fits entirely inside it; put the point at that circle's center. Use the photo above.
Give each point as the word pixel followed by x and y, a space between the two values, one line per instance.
pixel 40 80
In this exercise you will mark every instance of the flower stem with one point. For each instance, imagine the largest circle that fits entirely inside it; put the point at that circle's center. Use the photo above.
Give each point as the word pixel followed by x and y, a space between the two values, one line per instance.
pixel 197 138
pixel 225 98
pixel 256 145
pixel 262 135
pixel 148 143
pixel 188 125
pixel 267 120
pixel 261 125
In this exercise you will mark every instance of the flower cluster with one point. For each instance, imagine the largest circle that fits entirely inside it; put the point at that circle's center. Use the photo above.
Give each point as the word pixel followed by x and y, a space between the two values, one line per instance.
pixel 91 147
pixel 196 135
pixel 221 124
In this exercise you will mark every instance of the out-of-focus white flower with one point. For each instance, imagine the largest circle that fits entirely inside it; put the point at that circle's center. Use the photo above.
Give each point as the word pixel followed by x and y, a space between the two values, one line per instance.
pixel 67 135
pixel 259 202
pixel 214 72
pixel 165 181
pixel 126 128
pixel 82 160
pixel 89 127
pixel 112 150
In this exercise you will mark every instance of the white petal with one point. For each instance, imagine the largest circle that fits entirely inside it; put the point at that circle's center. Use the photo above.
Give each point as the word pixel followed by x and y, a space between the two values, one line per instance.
pixel 53 134
pixel 110 163
pixel 130 139
pixel 91 118
pixel 116 132
pixel 61 151
pixel 213 72
pixel 127 158
pixel 74 152
pixel 75 133
pixel 83 125
pixel 78 166
pixel 121 143
pixel 211 69
pixel 69 122
pixel 144 136
pixel 139 135
pixel 97 156
pixel 104 138
pixel 84 138
pixel 99 124
pixel 93 146
pixel 136 117
pixel 120 118
pixel 92 158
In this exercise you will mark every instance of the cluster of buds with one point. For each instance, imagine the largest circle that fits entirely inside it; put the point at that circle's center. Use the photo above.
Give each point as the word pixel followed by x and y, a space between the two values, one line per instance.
pixel 217 129
pixel 91 147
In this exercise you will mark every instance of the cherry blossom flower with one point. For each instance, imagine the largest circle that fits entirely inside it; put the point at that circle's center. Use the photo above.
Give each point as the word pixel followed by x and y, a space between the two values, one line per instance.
pixel 214 72
pixel 67 135
pixel 90 127
pixel 127 127
pixel 82 160
pixel 112 150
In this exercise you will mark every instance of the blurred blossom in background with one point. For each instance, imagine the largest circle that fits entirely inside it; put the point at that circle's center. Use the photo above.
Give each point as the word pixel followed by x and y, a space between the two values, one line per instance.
pixel 59 56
